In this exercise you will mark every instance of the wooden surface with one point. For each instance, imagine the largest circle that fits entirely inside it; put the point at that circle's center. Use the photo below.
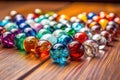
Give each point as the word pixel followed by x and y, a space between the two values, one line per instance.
pixel 16 65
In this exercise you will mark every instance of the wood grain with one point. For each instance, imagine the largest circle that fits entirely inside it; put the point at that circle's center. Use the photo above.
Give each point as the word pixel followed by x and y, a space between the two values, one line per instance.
pixel 16 65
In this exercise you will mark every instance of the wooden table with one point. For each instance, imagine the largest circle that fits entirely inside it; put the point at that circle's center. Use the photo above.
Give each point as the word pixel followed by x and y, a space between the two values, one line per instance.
pixel 15 65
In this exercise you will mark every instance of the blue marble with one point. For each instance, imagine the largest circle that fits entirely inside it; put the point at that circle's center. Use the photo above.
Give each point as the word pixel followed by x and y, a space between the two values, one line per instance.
pixel 65 39
pixel 77 26
pixel 22 26
pixel 90 15
pixel 59 54
pixel 29 32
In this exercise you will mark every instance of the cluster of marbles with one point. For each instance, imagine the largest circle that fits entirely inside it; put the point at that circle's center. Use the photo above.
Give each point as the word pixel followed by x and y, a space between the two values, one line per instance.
pixel 58 35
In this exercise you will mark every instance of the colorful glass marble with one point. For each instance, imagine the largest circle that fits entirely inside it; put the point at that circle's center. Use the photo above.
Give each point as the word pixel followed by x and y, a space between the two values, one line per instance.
pixel 59 54
pixel 51 38
pixel 90 48
pixel 22 26
pixel 83 17
pixel 42 32
pixel 37 27
pixel 96 29
pixel 30 44
pixel 87 31
pixel 77 26
pixel 70 31
pixel 64 39
pixel 10 26
pixel 7 39
pixel 57 33
pixel 81 37
pixel 90 15
pixel 60 26
pixel 103 23
pixel 107 35
pixel 18 40
pixel 43 48
pixel 30 32
pixel 101 41
pixel 76 50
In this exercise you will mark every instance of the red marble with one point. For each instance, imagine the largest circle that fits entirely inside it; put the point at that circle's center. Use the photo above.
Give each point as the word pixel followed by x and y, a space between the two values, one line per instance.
pixel 81 37
pixel 76 50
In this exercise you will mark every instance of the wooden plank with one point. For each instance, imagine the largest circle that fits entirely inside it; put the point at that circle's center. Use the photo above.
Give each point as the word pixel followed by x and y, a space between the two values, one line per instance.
pixel 105 67
pixel 14 63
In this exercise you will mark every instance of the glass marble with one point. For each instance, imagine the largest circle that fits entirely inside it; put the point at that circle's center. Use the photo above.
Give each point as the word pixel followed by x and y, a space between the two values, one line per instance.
pixel 30 44
pixel 37 27
pixel 91 48
pixel 70 31
pixel 76 50
pixel 81 37
pixel 42 32
pixel 60 26
pixel 15 31
pixel 10 26
pixel 111 16
pixel 31 16
pixel 90 15
pixel 64 39
pixel 18 40
pixel 19 20
pixel 59 54
pixel 96 18
pixel 96 29
pixel 107 35
pixel 7 39
pixel 77 26
pixel 43 48
pixel 57 33
pixel 49 28
pixel 103 23
pixel 30 32
pixel 45 22
pixel 93 23
pixel 87 31
pixel 30 22
pixel 23 26
pixel 51 38
pixel 101 40
pixel 4 22
pixel 38 20
pixel 83 17
pixel 112 30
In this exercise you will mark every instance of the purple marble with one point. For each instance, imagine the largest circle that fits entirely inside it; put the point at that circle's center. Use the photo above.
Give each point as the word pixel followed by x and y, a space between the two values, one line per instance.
pixel 7 39
pixel 37 27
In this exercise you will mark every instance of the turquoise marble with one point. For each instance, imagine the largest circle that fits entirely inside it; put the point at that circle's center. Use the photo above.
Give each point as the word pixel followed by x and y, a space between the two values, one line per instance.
pixel 57 33
pixel 51 38
pixel 42 32
pixel 77 26
pixel 59 54
pixel 10 26
pixel 65 39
